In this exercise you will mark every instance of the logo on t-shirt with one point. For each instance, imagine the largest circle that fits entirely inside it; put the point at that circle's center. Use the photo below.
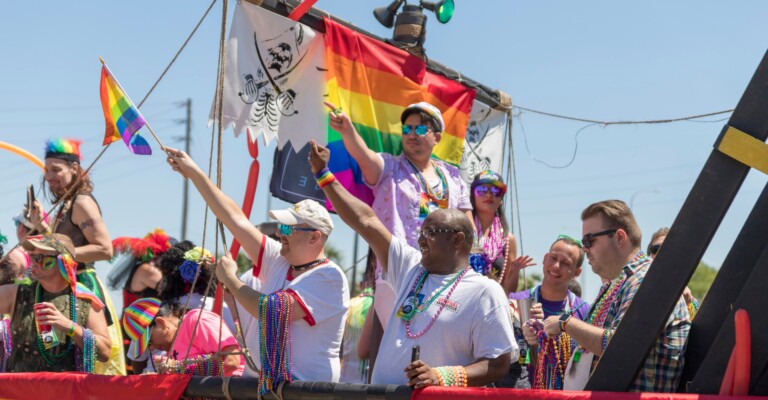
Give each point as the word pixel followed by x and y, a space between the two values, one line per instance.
pixel 407 307
pixel 449 304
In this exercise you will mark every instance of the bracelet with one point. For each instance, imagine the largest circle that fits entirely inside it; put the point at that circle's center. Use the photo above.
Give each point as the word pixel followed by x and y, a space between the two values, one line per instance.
pixel 451 376
pixel 71 331
pixel 606 336
pixel 324 177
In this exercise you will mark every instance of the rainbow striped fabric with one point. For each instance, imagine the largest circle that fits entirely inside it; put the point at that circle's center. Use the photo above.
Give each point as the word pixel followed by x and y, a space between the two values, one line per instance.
pixel 373 82
pixel 122 118
pixel 67 269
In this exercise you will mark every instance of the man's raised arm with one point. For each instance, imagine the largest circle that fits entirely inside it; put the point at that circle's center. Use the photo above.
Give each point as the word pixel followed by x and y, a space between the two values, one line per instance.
pixel 358 215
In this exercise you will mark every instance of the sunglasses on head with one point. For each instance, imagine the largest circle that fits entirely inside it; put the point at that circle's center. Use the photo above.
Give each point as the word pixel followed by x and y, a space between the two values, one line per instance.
pixel 43 260
pixel 653 249
pixel 420 130
pixel 481 191
pixel 590 237
pixel 287 230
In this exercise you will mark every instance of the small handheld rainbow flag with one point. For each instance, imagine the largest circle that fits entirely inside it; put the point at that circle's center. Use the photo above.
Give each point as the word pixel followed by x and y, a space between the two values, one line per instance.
pixel 123 119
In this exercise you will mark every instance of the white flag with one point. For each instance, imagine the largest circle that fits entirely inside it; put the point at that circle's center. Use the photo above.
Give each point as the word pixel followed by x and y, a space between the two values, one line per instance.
pixel 274 79
pixel 484 142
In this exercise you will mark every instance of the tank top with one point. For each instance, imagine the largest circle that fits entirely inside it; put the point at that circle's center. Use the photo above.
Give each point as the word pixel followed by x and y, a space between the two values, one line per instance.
pixel 67 227
pixel 25 356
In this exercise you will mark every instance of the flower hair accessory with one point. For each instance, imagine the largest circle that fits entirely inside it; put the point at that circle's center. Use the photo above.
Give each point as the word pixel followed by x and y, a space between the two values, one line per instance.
pixel 479 262
pixel 197 254
pixel 188 270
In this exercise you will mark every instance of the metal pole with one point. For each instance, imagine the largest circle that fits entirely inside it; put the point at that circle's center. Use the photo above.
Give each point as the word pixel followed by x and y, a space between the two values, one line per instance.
pixel 354 263
pixel 185 201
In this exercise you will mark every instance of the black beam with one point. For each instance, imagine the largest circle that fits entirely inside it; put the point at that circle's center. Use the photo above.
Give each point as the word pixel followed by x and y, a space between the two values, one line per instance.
pixel 753 299
pixel 731 277
pixel 247 389
pixel 690 234
pixel 314 20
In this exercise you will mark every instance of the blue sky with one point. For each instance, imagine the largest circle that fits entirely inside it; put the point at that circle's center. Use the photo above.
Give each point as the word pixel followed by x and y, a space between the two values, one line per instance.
pixel 600 60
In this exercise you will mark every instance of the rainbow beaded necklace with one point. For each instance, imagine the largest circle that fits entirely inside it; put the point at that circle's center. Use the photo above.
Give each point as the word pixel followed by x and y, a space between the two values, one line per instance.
pixel 608 293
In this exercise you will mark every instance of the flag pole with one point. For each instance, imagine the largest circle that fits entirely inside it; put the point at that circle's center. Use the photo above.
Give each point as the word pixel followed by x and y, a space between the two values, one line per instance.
pixel 162 146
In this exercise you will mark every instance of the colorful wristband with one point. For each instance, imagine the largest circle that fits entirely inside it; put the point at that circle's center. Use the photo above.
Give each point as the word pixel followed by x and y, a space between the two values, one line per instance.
pixel 71 331
pixel 324 177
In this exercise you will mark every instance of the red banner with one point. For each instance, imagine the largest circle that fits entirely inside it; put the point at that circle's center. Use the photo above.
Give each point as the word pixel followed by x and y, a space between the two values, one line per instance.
pixel 442 393
pixel 77 386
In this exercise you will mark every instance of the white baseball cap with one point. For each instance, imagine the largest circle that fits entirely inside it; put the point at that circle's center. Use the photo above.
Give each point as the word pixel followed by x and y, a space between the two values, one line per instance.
pixel 307 212
pixel 427 108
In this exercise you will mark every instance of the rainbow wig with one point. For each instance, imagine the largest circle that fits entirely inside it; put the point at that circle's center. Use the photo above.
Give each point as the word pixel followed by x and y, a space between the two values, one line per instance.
pixel 63 149
pixel 489 178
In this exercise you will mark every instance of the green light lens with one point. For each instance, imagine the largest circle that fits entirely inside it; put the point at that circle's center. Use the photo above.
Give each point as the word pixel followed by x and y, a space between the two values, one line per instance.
pixel 445 11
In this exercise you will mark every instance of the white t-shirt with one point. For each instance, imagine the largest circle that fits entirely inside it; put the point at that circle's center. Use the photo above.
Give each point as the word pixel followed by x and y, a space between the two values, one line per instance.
pixel 475 322
pixel 324 294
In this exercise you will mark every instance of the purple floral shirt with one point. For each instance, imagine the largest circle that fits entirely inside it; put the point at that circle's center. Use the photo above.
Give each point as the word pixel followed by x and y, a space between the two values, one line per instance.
pixel 398 192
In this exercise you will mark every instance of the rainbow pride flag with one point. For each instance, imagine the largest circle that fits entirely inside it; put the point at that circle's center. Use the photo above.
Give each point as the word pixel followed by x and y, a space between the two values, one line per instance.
pixel 122 118
pixel 373 82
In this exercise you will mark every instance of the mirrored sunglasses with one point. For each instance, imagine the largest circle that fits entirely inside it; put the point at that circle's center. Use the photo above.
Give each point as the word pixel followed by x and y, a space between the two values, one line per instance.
pixel 481 191
pixel 420 130
pixel 287 230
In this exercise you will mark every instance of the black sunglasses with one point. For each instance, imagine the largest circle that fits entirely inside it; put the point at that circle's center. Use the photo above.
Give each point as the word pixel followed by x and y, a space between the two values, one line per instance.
pixel 653 249
pixel 589 237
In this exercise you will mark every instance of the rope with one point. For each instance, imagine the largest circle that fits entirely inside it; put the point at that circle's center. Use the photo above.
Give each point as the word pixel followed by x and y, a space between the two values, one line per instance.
pixel 651 121
pixel 173 60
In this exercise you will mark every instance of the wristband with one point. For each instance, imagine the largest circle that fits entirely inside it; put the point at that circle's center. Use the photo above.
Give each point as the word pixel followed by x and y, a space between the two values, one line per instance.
pixel 324 177
pixel 71 331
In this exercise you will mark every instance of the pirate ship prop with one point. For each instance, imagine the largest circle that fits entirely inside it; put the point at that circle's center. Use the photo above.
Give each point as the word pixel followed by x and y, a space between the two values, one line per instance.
pixel 721 357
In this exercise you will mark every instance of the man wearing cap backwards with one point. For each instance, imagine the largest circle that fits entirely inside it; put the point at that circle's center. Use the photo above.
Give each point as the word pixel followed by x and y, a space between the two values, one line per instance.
pixel 407 187
pixel 49 301
pixel 296 266
pixel 458 317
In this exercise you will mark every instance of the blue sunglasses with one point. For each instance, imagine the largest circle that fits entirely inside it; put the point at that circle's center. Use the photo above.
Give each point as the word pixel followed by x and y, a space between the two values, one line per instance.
pixel 421 130
pixel 287 230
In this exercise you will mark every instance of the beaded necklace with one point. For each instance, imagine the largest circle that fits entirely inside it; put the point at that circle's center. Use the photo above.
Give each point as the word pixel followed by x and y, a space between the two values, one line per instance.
pixel 427 189
pixel 427 196
pixel 309 265
pixel 85 360
pixel 407 311
pixel 552 361
pixel 554 353
pixel 456 281
pixel 5 325
pixel 53 359
pixel 276 342
pixel 607 295
pixel 494 245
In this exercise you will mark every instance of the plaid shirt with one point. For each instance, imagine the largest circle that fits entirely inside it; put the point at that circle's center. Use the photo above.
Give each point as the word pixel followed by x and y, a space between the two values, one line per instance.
pixel 664 365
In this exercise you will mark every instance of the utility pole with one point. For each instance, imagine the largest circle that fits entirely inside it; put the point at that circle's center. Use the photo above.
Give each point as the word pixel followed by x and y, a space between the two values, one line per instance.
pixel 185 200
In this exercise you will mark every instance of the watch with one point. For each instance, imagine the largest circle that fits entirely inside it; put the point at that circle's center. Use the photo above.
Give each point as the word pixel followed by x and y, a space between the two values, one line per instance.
pixel 564 317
